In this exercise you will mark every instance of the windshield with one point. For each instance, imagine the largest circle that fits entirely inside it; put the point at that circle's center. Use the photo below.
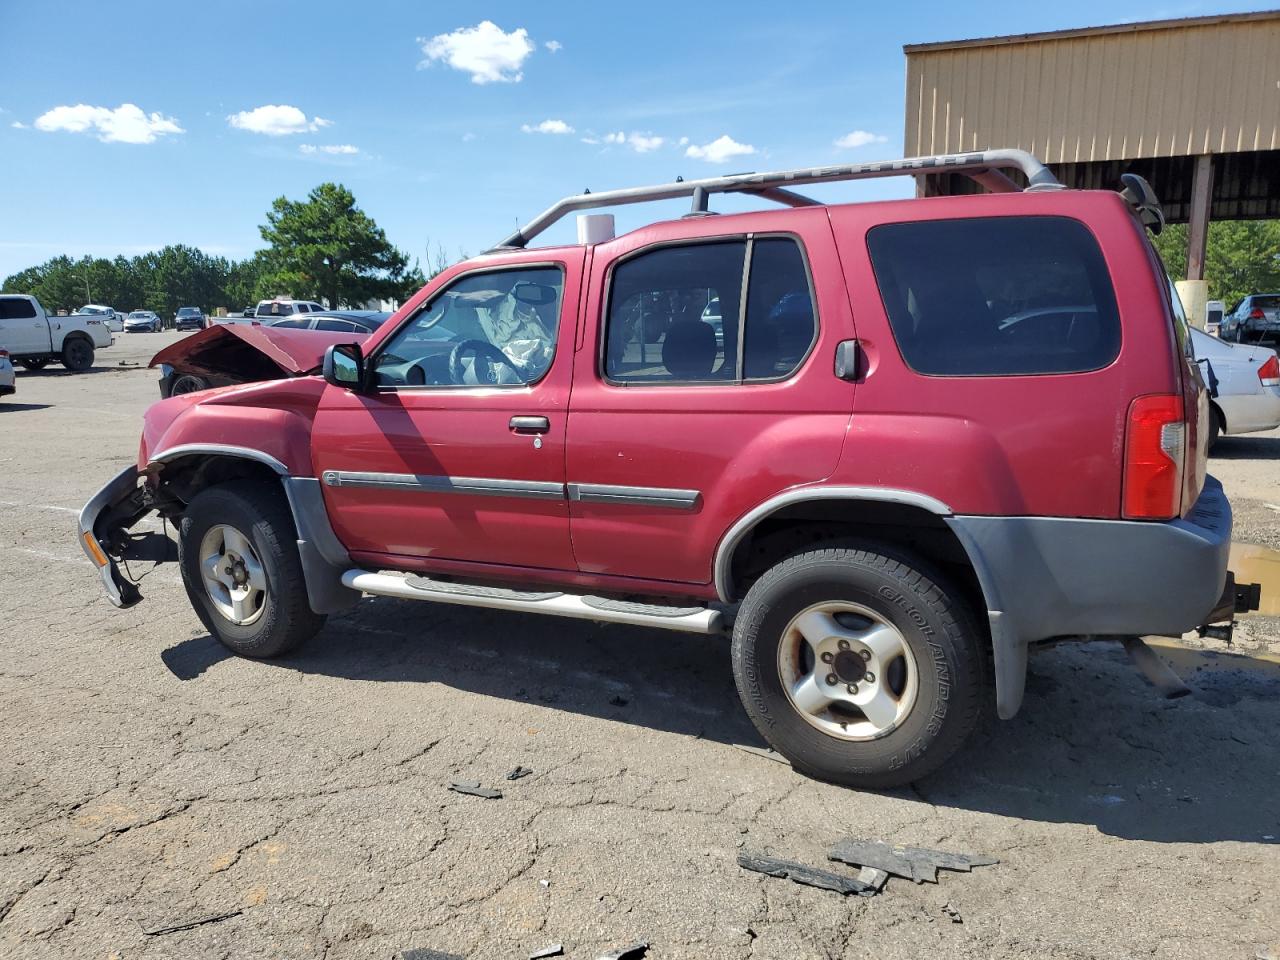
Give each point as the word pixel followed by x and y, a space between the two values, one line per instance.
pixel 140 315
pixel 188 312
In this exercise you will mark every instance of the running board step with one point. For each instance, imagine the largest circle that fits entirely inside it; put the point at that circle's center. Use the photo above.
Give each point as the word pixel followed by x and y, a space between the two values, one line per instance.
pixel 683 619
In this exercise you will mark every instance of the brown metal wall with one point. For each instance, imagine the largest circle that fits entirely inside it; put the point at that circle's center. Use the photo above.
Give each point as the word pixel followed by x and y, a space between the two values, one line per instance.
pixel 1156 92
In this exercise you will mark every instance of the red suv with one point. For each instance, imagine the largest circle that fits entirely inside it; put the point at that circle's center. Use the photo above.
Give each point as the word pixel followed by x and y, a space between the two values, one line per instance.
pixel 889 446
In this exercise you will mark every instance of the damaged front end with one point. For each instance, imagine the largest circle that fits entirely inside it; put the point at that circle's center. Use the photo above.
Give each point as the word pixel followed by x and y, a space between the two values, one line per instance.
pixel 104 534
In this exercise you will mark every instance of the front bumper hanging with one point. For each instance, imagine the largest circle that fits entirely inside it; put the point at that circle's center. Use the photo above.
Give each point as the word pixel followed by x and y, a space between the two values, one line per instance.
pixel 103 534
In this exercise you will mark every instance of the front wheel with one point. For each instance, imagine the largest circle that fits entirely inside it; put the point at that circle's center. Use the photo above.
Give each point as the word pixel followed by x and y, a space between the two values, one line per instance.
pixel 857 667
pixel 77 354
pixel 239 558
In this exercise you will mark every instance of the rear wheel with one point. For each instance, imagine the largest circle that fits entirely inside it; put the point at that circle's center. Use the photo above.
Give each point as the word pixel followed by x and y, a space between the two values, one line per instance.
pixel 239 558
pixel 35 363
pixel 77 354
pixel 858 667
pixel 1215 425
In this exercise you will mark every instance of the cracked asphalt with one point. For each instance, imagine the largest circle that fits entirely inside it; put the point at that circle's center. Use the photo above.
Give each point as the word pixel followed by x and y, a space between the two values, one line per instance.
pixel 148 780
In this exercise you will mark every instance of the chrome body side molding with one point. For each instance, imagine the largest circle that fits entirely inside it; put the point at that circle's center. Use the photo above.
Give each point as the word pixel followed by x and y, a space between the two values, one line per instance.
pixel 638 496
pixel 431 483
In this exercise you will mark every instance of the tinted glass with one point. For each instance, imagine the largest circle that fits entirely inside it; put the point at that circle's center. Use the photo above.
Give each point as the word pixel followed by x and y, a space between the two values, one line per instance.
pixel 16 310
pixel 274 309
pixel 673 314
pixel 1265 303
pixel 996 296
pixel 496 328
pixel 291 323
pixel 780 322
pixel 337 326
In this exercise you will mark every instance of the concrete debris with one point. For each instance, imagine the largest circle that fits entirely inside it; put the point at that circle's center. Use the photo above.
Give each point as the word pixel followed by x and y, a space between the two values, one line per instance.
pixel 914 863
pixel 809 876
pixel 422 953
pixel 554 950
pixel 473 788
pixel 953 913
pixel 189 925
pixel 633 952
pixel 519 772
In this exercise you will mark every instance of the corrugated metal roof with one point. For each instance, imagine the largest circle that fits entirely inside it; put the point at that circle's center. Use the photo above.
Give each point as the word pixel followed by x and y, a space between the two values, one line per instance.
pixel 1172 88
pixel 1136 27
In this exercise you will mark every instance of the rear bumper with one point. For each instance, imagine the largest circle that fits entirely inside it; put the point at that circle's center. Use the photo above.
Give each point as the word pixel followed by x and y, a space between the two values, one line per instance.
pixel 1053 577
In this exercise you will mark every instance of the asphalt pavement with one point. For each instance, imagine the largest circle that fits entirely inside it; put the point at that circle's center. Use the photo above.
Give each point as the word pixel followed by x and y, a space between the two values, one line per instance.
pixel 161 798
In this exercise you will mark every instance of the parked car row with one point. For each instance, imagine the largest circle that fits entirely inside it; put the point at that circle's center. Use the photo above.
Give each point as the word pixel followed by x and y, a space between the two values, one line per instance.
pixel 1253 319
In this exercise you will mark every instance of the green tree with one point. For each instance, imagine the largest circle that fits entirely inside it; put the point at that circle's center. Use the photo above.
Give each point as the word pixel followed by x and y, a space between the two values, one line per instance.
pixel 326 247
pixel 1241 257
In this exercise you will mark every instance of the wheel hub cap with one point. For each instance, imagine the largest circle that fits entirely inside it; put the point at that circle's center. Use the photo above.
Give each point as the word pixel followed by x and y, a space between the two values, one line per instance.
pixel 847 671
pixel 233 575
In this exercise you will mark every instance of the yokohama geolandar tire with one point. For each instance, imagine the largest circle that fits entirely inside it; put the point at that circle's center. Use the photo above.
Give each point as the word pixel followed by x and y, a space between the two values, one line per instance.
pixel 239 558
pixel 857 667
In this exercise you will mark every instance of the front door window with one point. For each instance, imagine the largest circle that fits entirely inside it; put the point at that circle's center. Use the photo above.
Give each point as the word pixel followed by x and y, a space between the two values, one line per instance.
pixel 496 328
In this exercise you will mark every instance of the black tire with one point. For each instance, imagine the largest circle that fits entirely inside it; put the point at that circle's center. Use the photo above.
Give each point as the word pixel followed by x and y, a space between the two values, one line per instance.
pixel 935 625
pixel 1215 425
pixel 35 363
pixel 261 514
pixel 188 383
pixel 77 354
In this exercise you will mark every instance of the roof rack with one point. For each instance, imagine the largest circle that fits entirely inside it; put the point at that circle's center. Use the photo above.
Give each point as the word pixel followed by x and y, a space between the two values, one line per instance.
pixel 982 166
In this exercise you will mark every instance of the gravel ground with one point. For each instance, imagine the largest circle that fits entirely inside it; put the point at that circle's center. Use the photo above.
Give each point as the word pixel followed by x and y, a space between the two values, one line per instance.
pixel 149 780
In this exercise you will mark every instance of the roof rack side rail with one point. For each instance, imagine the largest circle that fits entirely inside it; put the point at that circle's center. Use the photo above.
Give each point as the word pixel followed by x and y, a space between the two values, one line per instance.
pixel 982 166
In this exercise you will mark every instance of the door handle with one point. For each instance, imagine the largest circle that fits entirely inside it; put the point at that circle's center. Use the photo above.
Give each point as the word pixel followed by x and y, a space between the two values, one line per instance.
pixel 530 425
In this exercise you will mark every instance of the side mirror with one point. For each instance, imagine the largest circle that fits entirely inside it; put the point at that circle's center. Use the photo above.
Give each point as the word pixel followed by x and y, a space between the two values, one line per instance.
pixel 344 366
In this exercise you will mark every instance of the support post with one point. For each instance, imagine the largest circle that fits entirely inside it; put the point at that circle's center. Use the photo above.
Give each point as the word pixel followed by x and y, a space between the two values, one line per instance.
pixel 1198 226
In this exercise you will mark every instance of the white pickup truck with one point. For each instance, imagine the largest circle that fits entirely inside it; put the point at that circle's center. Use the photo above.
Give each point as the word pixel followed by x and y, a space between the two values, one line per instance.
pixel 33 338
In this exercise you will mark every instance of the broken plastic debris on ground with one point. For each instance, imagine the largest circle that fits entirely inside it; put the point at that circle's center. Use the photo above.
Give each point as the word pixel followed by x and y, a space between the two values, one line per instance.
pixel 876 861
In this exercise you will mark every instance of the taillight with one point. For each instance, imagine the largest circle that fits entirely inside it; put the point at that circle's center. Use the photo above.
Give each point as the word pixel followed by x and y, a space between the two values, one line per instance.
pixel 4 354
pixel 1256 314
pixel 1155 449
pixel 1269 372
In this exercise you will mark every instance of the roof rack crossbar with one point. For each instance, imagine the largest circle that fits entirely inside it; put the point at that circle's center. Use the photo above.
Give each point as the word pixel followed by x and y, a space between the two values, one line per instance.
pixel 775 185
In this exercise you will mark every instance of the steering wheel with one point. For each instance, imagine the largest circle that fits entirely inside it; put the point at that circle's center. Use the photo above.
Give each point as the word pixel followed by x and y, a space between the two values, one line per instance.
pixel 483 351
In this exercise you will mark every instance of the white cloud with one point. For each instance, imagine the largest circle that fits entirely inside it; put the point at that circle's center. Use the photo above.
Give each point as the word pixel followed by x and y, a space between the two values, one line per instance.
pixel 682 142
pixel 18 125
pixel 591 139
pixel 719 150
pixel 555 46
pixel 468 137
pixel 125 124
pixel 276 120
pixel 334 149
pixel 485 51
pixel 643 143
pixel 639 142
pixel 548 126
pixel 859 138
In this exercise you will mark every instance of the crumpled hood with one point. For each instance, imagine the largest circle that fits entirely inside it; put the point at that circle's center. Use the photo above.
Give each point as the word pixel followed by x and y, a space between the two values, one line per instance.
pixel 251 352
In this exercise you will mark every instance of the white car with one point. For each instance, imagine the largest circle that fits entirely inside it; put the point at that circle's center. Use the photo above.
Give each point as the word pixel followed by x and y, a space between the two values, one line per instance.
pixel 1247 377
pixel 8 380
pixel 109 315
pixel 35 339
pixel 141 320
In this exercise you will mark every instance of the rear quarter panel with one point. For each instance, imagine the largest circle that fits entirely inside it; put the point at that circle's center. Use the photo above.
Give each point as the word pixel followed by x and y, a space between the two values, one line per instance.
pixel 1004 445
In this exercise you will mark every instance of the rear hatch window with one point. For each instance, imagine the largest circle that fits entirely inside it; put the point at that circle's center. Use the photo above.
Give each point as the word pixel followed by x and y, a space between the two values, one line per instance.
pixel 996 296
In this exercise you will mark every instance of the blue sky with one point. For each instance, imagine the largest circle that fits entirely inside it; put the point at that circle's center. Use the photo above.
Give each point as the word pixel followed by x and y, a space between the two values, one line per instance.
pixel 449 121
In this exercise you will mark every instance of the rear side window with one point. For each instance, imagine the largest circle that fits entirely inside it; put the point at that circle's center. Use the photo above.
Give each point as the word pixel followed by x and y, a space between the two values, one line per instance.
pixel 16 310
pixel 337 326
pixel 676 314
pixel 996 296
